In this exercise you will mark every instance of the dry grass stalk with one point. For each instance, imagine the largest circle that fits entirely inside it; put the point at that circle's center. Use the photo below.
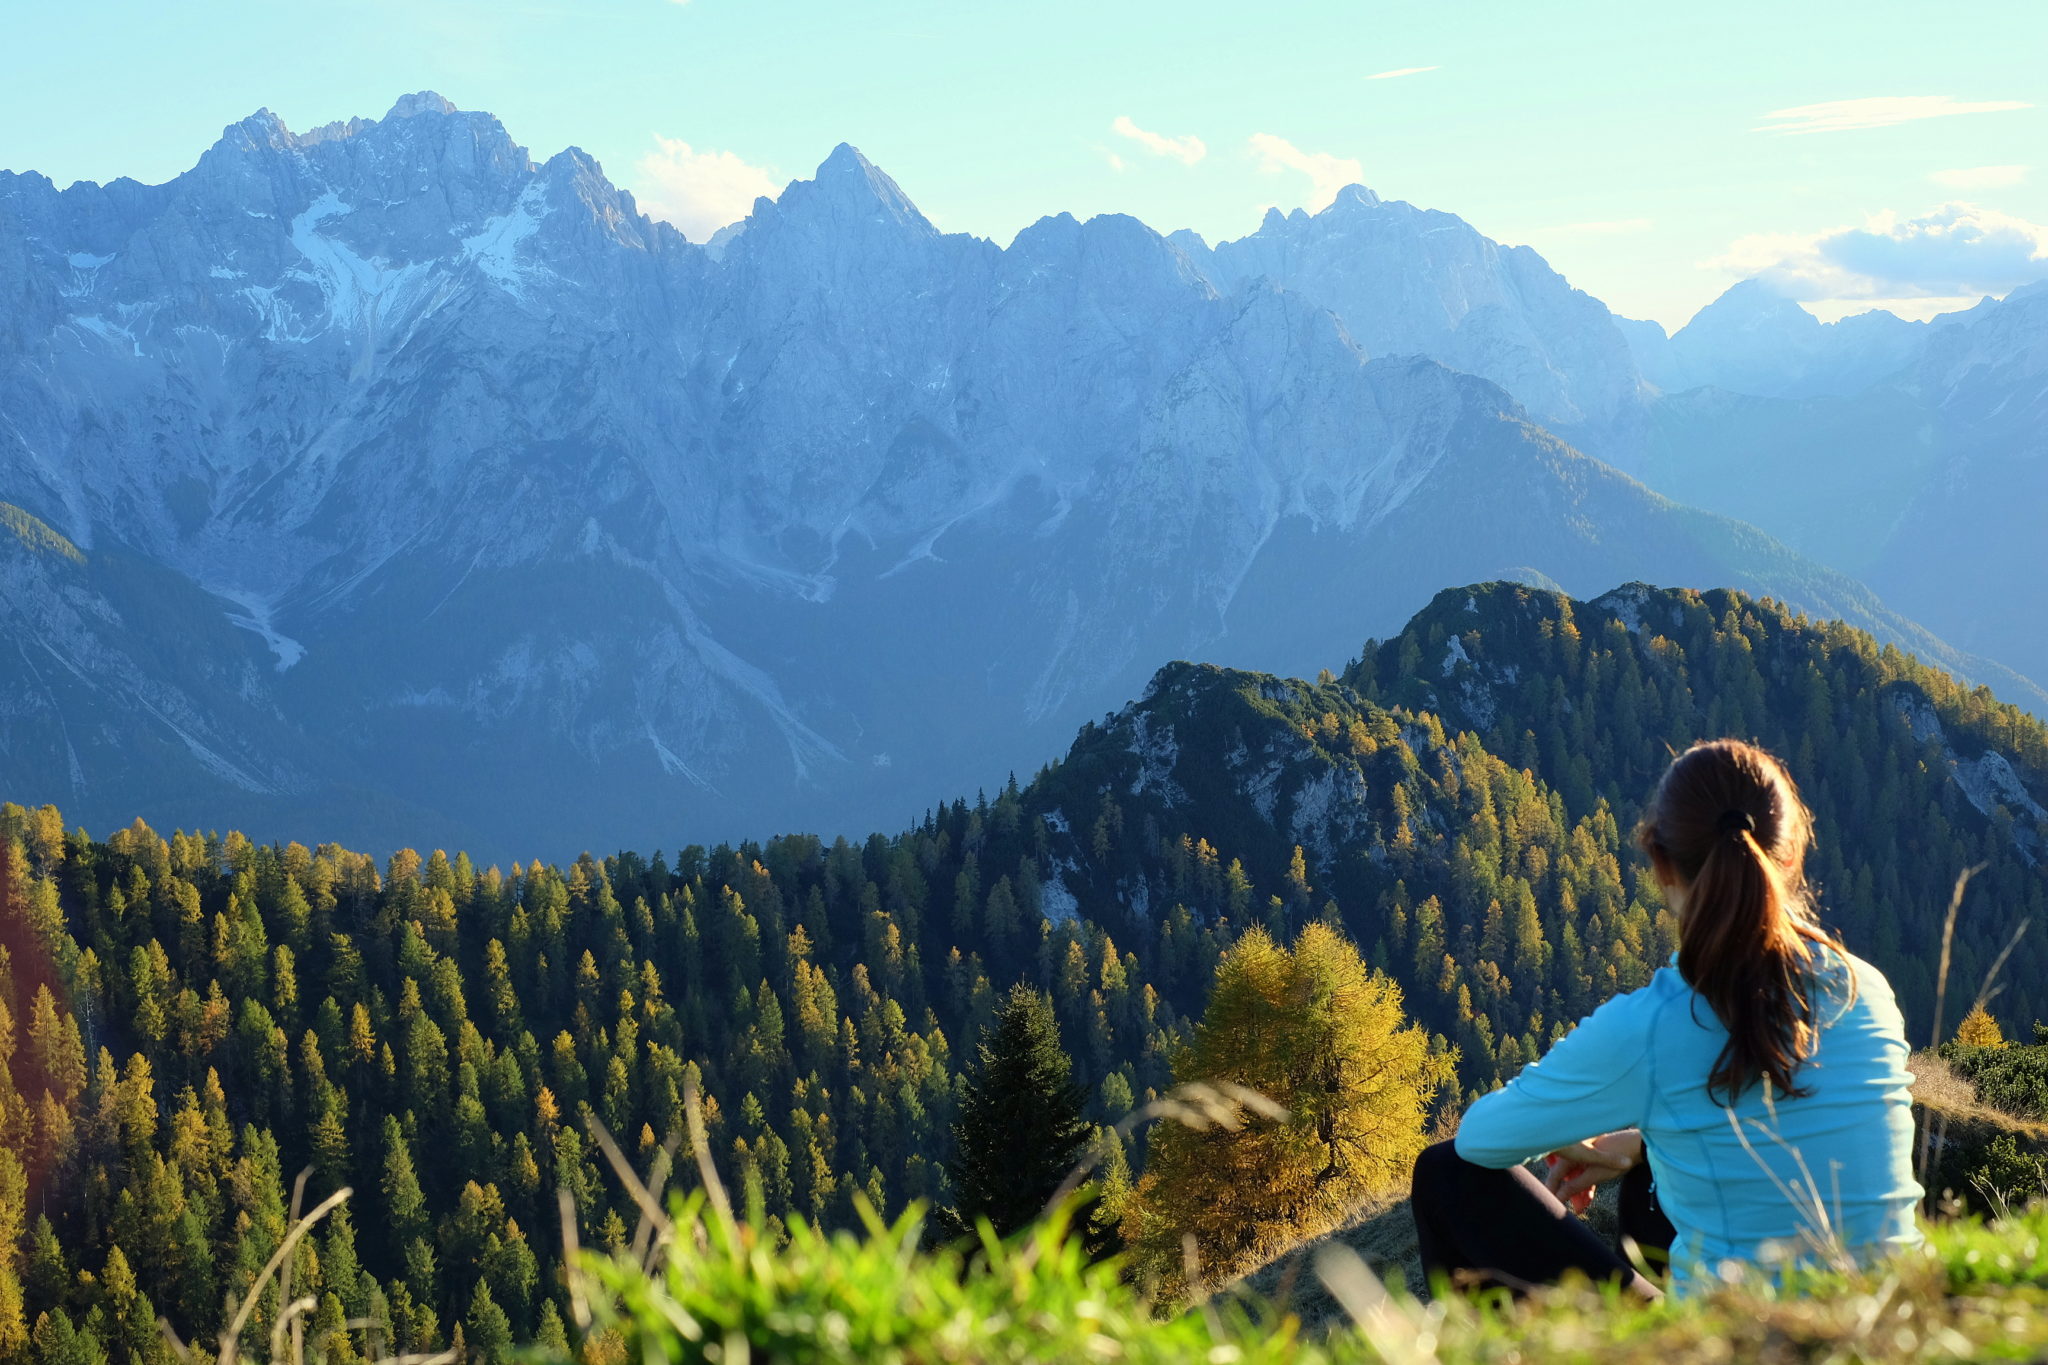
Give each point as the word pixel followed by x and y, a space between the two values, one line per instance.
pixel 292 1312
pixel 654 1231
pixel 1399 1333
pixel 700 1148
pixel 230 1342
pixel 1948 938
pixel 1200 1105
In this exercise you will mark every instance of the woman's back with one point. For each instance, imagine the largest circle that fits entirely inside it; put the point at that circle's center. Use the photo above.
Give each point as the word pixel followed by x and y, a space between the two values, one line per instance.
pixel 1765 1068
pixel 1758 1181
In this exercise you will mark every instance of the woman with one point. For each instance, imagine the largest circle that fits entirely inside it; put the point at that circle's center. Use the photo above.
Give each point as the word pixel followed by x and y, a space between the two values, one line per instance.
pixel 1762 1077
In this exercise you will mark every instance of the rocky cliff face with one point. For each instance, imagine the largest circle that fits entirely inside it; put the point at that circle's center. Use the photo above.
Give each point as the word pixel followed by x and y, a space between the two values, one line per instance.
pixel 418 488
pixel 1409 281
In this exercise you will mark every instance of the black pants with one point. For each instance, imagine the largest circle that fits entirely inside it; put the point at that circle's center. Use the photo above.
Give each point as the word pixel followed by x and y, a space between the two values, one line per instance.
pixel 1483 1226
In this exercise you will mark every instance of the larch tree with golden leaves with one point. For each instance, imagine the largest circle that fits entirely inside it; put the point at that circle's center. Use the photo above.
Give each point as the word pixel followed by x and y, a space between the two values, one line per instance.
pixel 1315 1031
pixel 1979 1029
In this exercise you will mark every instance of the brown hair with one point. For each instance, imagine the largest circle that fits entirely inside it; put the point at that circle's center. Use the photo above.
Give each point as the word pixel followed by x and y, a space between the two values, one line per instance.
pixel 1728 823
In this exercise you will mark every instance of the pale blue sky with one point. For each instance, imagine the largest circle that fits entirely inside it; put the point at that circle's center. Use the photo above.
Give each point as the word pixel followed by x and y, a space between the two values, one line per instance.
pixel 1619 139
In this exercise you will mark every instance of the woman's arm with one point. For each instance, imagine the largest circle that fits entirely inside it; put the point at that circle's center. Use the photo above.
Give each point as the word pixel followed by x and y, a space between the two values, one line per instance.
pixel 1593 1080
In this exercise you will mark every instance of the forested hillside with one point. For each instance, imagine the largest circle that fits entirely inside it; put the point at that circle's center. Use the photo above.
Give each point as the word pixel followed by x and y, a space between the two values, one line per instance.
pixel 1911 777
pixel 192 1019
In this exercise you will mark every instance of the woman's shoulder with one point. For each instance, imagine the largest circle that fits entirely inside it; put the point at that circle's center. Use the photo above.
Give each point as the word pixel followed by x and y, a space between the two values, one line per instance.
pixel 1854 982
pixel 1639 1007
pixel 1836 964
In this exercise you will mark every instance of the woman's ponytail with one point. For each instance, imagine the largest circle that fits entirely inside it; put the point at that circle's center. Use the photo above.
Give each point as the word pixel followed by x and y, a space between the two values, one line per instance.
pixel 1728 823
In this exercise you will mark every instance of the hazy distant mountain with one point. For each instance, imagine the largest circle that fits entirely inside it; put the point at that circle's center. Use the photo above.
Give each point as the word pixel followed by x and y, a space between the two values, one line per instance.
pixel 1920 467
pixel 1754 340
pixel 379 482
pixel 1970 550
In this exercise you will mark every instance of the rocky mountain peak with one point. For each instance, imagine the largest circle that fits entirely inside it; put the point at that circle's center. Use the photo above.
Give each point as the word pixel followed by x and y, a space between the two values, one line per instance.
pixel 1752 305
pixel 1408 281
pixel 1754 339
pixel 848 184
pixel 421 102
pixel 260 130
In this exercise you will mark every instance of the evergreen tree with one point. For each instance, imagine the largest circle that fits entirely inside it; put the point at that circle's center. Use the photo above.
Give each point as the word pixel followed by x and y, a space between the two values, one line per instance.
pixel 489 1333
pixel 1020 1130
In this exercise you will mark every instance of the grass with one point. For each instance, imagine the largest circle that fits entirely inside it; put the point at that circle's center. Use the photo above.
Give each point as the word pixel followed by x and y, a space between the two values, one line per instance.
pixel 706 1285
pixel 703 1282
pixel 1938 1089
pixel 720 1290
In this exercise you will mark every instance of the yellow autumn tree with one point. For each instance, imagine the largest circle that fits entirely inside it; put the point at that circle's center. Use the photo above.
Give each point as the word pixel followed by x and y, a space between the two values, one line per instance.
pixel 1315 1031
pixel 1979 1029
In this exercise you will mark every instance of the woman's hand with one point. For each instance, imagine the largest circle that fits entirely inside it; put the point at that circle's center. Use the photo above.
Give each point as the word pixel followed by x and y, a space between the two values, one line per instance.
pixel 1576 1169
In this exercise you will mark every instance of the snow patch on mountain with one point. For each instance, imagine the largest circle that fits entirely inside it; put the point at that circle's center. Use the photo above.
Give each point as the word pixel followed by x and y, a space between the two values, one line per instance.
pixel 672 762
pixel 356 289
pixel 495 248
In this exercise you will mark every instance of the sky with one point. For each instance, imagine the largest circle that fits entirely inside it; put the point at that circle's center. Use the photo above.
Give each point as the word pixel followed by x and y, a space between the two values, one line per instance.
pixel 1852 154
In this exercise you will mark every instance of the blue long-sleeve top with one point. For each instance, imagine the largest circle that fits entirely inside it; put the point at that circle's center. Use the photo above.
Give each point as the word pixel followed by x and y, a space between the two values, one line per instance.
pixel 1835 1164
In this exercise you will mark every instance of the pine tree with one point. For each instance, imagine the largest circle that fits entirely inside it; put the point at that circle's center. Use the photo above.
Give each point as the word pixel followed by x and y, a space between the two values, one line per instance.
pixel 551 1338
pixel 404 1205
pixel 1020 1130
pixel 489 1334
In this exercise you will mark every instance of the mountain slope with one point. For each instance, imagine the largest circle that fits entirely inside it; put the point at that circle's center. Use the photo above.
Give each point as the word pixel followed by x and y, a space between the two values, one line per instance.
pixel 1911 777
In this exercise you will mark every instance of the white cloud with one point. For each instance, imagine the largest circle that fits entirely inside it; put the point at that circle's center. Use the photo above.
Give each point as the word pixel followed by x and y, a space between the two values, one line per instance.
pixel 699 192
pixel 1957 251
pixel 1400 71
pixel 1327 174
pixel 1608 227
pixel 1840 116
pixel 1186 150
pixel 1980 177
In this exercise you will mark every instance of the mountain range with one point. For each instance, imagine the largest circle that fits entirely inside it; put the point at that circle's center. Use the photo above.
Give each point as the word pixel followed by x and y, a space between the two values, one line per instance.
pixel 382 481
